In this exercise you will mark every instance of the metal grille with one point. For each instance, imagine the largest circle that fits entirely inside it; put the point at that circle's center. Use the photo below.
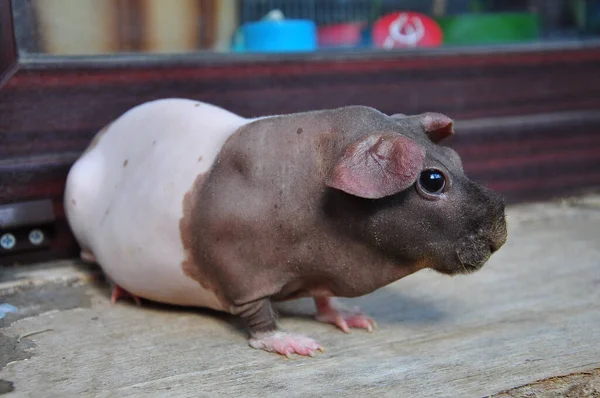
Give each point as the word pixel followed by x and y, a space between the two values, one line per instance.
pixel 325 12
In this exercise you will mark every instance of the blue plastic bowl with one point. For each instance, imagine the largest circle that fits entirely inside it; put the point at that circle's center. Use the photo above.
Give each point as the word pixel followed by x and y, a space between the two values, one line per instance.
pixel 288 35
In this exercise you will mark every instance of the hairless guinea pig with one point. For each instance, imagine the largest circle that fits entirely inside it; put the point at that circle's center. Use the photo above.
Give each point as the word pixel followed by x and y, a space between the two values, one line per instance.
pixel 185 203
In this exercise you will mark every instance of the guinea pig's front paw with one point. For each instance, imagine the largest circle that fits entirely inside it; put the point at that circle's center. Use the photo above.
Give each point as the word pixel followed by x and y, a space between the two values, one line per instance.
pixel 328 311
pixel 285 343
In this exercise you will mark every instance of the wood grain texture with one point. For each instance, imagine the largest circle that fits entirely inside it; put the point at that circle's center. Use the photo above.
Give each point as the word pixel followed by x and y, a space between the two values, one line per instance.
pixel 528 122
pixel 56 108
pixel 531 313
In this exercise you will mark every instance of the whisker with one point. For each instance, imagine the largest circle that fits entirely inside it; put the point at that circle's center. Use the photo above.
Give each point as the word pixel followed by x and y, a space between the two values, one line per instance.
pixel 461 262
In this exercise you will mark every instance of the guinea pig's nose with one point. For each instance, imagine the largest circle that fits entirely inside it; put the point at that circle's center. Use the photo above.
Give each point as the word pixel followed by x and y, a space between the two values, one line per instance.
pixel 498 237
pixel 494 246
pixel 498 234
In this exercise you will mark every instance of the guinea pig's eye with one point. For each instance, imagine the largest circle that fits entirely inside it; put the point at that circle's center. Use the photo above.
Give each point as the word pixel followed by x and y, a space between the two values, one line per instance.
pixel 431 183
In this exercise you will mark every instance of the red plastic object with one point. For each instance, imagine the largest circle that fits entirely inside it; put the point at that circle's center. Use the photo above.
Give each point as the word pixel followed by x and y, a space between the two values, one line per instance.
pixel 347 34
pixel 406 30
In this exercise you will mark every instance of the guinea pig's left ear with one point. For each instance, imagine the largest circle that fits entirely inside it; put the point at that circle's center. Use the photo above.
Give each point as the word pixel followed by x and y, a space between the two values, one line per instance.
pixel 377 166
pixel 437 126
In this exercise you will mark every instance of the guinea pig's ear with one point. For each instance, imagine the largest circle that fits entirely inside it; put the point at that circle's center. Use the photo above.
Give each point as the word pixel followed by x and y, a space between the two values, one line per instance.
pixel 377 166
pixel 437 126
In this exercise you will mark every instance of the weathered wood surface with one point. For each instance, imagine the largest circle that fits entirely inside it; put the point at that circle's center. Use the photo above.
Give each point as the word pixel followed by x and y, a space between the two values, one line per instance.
pixel 533 312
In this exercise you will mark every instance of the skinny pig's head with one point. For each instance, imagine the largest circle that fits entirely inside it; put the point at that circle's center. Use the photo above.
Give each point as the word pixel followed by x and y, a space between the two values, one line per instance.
pixel 402 193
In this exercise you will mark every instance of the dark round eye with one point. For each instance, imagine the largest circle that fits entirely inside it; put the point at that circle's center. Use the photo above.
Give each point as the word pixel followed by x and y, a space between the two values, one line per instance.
pixel 431 182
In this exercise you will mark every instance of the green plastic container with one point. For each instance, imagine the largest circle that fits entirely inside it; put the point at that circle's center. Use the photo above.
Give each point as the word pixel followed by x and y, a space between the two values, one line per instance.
pixel 489 28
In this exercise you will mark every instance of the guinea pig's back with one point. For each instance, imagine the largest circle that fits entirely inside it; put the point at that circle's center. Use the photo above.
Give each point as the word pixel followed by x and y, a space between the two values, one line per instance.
pixel 124 196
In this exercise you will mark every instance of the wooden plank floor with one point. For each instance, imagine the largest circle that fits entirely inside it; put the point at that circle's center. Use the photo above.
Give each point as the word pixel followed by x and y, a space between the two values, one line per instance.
pixel 533 312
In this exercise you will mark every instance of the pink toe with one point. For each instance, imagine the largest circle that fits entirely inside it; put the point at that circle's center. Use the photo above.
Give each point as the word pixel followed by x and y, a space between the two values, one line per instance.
pixel 286 344
pixel 331 312
pixel 359 322
pixel 302 350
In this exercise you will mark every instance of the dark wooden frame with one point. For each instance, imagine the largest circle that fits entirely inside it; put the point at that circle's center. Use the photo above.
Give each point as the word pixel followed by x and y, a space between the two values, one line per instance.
pixel 8 49
pixel 528 117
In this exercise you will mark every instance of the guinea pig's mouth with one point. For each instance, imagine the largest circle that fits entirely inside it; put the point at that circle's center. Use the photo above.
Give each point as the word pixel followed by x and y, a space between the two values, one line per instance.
pixel 472 255
pixel 471 266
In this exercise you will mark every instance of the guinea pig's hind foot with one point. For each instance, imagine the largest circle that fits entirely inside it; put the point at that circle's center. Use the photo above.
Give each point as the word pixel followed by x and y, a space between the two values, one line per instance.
pixel 118 293
pixel 285 343
pixel 87 256
pixel 329 311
